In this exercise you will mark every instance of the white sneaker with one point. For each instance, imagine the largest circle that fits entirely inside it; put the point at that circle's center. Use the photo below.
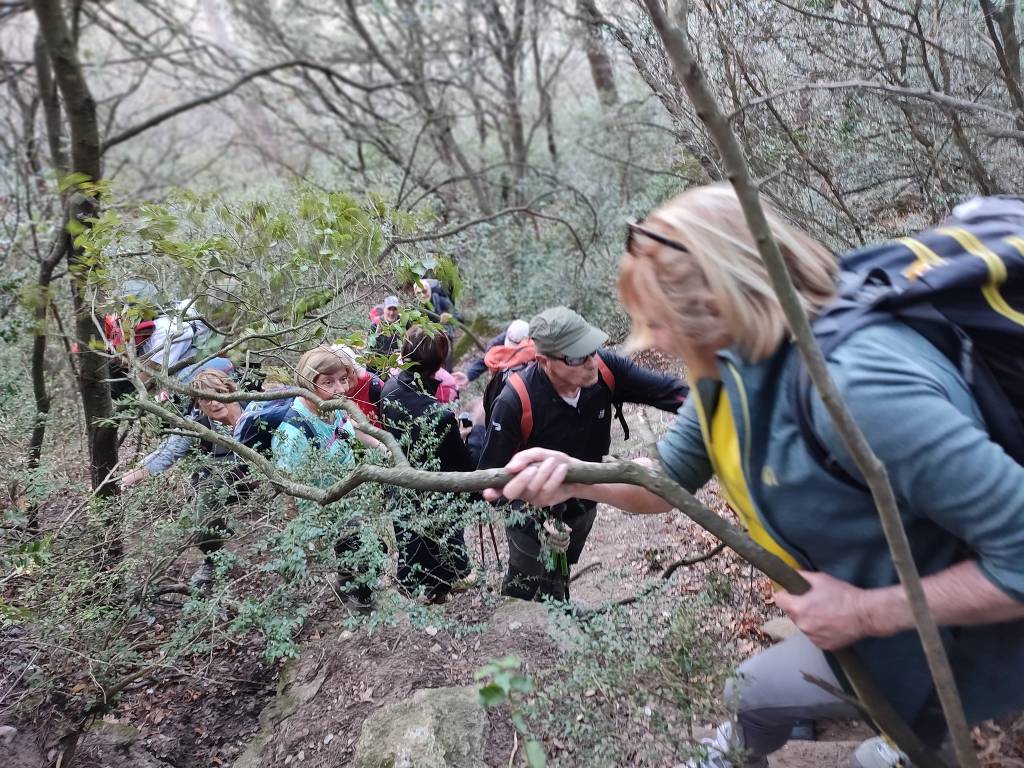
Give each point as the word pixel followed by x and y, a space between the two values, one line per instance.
pixel 876 752
pixel 723 743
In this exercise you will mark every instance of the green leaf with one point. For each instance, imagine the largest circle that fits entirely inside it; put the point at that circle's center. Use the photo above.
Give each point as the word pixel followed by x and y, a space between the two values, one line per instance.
pixel 535 757
pixel 521 684
pixel 519 722
pixel 71 180
pixel 491 695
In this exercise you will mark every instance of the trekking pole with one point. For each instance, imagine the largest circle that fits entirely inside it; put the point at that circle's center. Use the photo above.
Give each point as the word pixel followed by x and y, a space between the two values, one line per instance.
pixel 480 530
pixel 494 542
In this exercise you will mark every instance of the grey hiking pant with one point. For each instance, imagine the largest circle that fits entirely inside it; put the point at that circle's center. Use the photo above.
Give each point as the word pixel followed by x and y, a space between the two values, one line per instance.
pixel 772 695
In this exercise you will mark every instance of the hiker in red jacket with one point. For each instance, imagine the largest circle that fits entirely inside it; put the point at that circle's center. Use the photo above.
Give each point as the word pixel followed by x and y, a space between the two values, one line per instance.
pixel 365 388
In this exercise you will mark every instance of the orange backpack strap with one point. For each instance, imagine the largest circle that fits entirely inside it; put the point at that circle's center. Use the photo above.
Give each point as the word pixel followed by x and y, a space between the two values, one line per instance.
pixel 606 373
pixel 526 420
pixel 609 379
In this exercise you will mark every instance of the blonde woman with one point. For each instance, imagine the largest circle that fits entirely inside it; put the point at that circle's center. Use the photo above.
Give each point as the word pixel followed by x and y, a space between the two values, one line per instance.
pixel 695 287
pixel 219 481
pixel 317 447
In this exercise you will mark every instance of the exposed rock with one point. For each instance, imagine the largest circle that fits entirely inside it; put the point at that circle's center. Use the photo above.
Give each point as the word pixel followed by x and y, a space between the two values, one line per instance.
pixel 514 615
pixel 115 733
pixel 19 749
pixel 298 684
pixel 434 728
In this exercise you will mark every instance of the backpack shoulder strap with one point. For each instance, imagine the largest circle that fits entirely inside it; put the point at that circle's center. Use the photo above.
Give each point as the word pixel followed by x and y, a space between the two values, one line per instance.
pixel 801 390
pixel 297 420
pixel 375 390
pixel 609 380
pixel 606 373
pixel 526 419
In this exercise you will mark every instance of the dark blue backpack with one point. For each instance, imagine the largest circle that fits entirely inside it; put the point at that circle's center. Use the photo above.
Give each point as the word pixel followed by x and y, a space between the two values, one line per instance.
pixel 261 418
pixel 961 286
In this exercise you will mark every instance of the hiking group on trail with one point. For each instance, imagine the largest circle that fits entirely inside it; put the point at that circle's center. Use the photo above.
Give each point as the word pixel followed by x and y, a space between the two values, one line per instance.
pixel 924 338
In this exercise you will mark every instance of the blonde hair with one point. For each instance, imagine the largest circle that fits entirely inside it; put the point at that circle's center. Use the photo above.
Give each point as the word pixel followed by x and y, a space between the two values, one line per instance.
pixel 214 381
pixel 321 360
pixel 353 358
pixel 718 291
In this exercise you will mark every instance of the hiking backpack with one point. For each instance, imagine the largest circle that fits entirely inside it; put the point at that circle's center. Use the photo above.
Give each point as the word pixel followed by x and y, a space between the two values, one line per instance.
pixel 961 286
pixel 260 420
pixel 515 380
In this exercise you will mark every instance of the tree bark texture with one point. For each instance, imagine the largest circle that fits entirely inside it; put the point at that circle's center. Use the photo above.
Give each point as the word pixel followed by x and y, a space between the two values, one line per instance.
pixel 83 130
pixel 601 70
pixel 708 110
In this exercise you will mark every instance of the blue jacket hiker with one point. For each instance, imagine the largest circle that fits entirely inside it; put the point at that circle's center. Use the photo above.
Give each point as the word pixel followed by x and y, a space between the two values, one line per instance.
pixel 317 450
pixel 695 287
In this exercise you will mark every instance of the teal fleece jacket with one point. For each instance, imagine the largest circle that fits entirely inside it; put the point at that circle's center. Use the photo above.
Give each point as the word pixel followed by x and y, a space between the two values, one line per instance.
pixel 960 497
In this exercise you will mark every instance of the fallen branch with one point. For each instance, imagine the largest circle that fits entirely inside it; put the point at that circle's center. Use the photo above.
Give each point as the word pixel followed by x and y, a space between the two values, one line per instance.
pixel 585 569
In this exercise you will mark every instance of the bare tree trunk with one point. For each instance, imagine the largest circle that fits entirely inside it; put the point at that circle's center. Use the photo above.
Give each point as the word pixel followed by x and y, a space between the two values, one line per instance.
pixel 51 116
pixel 437 118
pixel 85 159
pixel 986 184
pixel 601 70
pixel 1007 47
pixel 873 471
pixel 40 335
pixel 544 90
pixel 507 44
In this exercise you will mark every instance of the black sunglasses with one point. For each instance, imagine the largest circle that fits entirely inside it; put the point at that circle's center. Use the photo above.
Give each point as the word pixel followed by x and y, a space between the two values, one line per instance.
pixel 576 362
pixel 637 228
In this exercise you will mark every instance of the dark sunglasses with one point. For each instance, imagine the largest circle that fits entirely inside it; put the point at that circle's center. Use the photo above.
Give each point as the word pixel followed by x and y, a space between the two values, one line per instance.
pixel 637 228
pixel 576 362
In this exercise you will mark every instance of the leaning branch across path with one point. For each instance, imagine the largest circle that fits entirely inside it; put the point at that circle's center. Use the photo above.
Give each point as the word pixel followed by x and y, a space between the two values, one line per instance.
pixel 690 74
pixel 654 480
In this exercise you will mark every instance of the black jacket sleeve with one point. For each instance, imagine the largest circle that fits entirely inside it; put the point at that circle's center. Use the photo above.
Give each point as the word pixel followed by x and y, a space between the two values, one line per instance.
pixel 443 304
pixel 479 367
pixel 634 384
pixel 453 452
pixel 503 439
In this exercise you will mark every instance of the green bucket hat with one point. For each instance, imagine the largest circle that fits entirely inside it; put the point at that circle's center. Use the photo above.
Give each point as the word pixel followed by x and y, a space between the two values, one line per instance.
pixel 560 332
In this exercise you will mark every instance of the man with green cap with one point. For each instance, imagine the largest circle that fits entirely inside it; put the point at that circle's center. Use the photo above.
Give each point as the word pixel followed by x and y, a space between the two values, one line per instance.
pixel 563 401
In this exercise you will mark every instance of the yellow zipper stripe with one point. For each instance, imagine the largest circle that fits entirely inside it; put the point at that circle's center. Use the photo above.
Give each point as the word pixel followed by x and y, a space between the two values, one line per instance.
pixel 970 243
pixel 745 407
pixel 996 270
pixel 926 258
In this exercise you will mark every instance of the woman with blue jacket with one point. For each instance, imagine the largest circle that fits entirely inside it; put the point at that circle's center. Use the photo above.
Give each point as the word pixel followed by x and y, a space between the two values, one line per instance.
pixel 695 287
pixel 316 447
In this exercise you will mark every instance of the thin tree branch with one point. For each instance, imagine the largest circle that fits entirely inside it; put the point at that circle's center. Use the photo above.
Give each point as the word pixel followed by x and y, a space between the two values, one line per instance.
pixel 130 133
pixel 921 94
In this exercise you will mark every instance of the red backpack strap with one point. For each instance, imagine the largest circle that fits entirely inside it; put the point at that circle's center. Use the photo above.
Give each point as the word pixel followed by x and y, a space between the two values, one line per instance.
pixel 526 420
pixel 606 373
pixel 609 379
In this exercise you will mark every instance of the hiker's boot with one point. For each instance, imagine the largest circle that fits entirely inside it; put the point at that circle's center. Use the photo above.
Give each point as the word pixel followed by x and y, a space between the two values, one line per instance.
pixel 465 583
pixel 357 597
pixel 876 752
pixel 720 747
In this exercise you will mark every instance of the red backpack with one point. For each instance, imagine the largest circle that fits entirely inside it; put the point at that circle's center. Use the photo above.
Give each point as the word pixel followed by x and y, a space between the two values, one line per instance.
pixel 116 337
